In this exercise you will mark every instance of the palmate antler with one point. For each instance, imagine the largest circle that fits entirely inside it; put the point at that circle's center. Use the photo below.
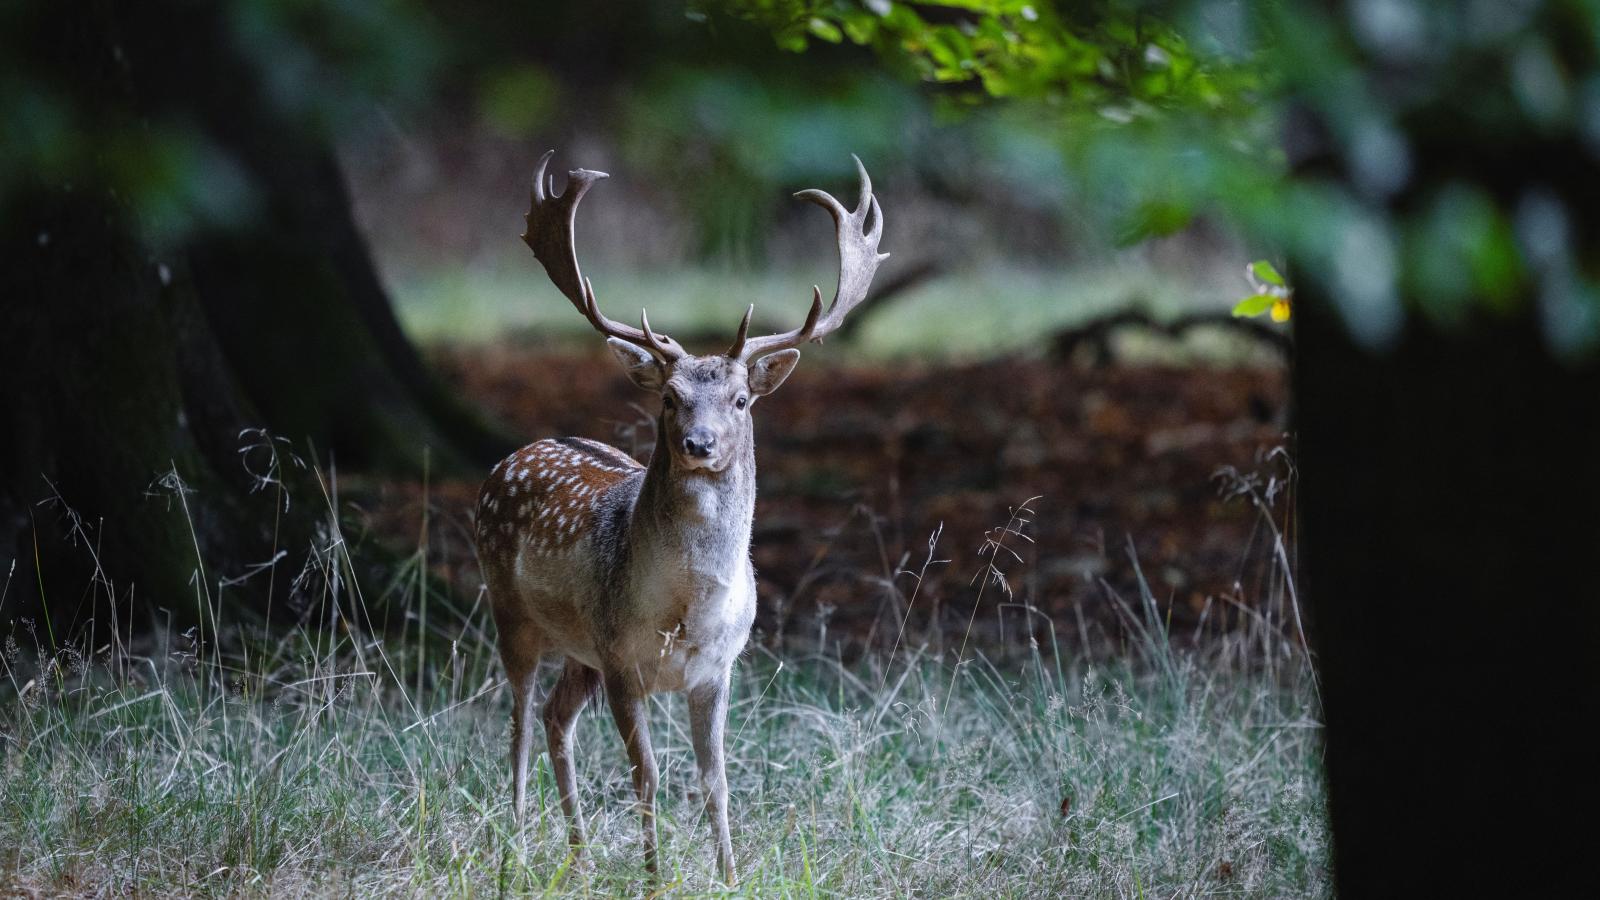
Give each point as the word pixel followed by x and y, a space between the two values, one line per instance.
pixel 858 231
pixel 550 236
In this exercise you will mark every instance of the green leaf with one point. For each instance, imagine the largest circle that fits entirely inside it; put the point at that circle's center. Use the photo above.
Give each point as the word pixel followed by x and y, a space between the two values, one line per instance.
pixel 1155 218
pixel 791 39
pixel 826 30
pixel 1265 273
pixel 861 26
pixel 1254 305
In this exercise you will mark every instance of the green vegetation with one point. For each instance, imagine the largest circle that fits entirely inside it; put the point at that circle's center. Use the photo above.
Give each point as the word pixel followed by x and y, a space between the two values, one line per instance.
pixel 1269 292
pixel 1115 52
pixel 973 314
pixel 333 761
pixel 1283 117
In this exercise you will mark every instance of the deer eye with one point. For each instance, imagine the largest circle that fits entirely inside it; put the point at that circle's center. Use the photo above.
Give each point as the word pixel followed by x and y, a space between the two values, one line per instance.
pixel 667 402
pixel 741 402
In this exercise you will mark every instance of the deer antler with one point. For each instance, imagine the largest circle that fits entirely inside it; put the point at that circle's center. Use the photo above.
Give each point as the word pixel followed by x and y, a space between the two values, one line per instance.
pixel 550 236
pixel 858 231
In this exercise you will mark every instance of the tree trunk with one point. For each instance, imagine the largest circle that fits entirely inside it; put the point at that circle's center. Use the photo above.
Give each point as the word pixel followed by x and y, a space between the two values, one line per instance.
pixel 133 369
pixel 1448 497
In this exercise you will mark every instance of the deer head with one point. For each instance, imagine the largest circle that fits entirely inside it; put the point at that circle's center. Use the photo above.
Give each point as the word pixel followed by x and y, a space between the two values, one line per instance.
pixel 706 401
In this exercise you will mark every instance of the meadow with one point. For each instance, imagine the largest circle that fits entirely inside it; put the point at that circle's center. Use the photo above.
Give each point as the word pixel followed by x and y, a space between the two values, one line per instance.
pixel 229 761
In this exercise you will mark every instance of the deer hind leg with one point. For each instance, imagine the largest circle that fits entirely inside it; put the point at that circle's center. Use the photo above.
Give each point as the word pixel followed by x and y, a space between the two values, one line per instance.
pixel 519 653
pixel 708 717
pixel 577 684
pixel 628 707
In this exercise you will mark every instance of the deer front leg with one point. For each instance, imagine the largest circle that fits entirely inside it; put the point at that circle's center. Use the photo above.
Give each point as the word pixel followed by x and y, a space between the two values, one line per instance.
pixel 708 717
pixel 576 685
pixel 628 708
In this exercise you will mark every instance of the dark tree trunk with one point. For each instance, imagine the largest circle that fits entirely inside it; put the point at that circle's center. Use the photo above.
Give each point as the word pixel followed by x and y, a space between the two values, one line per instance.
pixel 1450 483
pixel 291 293
pixel 132 368
pixel 1449 489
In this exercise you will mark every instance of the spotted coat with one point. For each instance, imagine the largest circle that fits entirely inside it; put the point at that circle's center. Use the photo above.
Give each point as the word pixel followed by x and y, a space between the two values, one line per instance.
pixel 542 499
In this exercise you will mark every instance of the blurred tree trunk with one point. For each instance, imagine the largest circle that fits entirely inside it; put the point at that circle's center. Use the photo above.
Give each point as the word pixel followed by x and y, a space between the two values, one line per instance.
pixel 1449 488
pixel 131 365
pixel 1450 482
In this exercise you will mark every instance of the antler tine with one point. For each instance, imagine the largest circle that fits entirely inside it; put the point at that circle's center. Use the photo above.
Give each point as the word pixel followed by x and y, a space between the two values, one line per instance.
pixel 737 349
pixel 652 339
pixel 866 183
pixel 538 183
pixel 550 235
pixel 858 232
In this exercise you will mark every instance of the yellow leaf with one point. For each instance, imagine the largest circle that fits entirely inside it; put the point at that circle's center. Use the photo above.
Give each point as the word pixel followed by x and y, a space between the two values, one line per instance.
pixel 1280 309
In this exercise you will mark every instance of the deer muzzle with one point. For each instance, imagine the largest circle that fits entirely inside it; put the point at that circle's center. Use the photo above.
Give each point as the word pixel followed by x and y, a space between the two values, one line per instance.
pixel 698 443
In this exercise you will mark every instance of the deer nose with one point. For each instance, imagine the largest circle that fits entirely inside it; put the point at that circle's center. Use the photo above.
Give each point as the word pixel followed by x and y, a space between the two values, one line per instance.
pixel 698 442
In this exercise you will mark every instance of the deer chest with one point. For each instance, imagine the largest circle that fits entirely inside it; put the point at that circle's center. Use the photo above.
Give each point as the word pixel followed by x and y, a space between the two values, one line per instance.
pixel 699 635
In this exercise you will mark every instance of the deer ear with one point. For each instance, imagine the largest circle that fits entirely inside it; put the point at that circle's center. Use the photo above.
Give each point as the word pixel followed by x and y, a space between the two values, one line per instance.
pixel 769 371
pixel 643 369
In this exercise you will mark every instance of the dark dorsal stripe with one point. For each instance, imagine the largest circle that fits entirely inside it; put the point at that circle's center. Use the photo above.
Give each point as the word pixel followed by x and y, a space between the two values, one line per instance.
pixel 596 451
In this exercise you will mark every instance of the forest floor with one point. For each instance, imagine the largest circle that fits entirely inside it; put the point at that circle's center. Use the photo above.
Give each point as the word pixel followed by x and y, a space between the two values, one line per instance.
pixel 1181 475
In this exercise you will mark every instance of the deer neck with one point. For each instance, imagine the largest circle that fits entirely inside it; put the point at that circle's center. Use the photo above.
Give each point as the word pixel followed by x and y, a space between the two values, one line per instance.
pixel 700 516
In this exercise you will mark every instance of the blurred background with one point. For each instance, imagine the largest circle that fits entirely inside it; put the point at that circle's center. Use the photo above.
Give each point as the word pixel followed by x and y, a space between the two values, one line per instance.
pixel 1197 310
pixel 708 131
pixel 341 188
pixel 1002 357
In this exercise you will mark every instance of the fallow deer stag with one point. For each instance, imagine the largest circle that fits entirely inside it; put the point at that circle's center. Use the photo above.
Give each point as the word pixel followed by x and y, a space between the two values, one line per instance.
pixel 640 576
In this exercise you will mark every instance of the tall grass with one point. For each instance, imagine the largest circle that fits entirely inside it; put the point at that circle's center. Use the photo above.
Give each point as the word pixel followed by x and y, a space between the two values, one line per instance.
pixel 334 761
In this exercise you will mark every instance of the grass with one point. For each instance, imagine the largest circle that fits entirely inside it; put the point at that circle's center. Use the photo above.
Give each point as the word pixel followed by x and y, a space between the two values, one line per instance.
pixel 1181 780
pixel 331 761
pixel 962 315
